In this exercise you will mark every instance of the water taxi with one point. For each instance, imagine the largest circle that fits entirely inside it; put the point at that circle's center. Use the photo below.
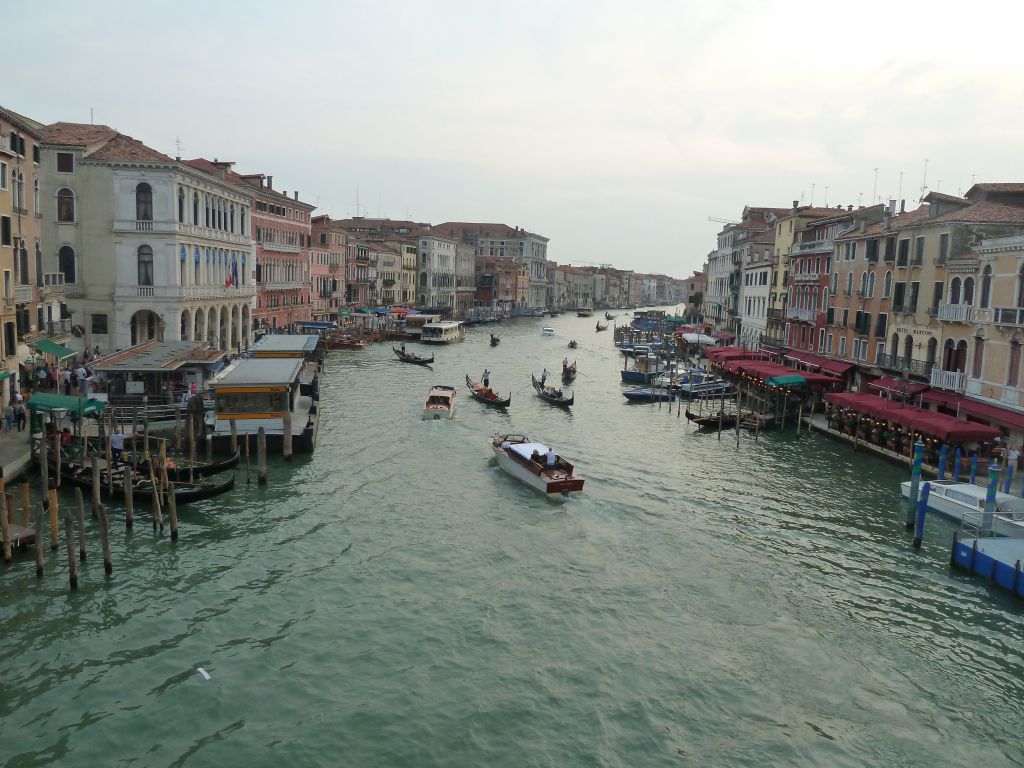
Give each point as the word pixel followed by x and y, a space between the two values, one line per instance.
pixel 440 403
pixel 547 330
pixel 259 392
pixel 527 461
pixel 965 503
pixel 441 332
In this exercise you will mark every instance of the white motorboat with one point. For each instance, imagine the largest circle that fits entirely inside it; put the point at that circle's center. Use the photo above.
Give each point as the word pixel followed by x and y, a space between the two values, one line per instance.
pixel 965 503
pixel 526 461
pixel 440 402
pixel 547 330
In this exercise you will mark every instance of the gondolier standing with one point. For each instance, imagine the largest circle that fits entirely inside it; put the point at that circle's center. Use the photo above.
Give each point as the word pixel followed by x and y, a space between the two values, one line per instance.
pixel 543 376
pixel 486 378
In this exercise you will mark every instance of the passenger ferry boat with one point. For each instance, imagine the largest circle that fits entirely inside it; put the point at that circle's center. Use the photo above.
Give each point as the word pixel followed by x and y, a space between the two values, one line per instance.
pixel 585 312
pixel 412 327
pixel 517 455
pixel 441 332
pixel 258 392
pixel 965 503
pixel 440 403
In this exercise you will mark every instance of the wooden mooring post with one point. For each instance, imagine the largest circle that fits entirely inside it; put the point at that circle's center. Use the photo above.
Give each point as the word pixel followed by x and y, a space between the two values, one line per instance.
pixel 56 454
pixel 38 545
pixel 80 501
pixel 95 484
pixel 172 511
pixel 246 458
pixel 69 537
pixel 26 504
pixel 209 447
pixel 129 498
pixel 5 531
pixel 286 436
pixel 51 498
pixel 234 435
pixel 261 457
pixel 108 565
pixel 191 439
pixel 44 467
pixel 158 518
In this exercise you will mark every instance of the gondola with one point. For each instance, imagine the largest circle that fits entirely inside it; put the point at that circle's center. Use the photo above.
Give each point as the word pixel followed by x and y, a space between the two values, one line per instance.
pixel 184 492
pixel 572 344
pixel 608 316
pixel 647 396
pixel 495 340
pixel 601 327
pixel 551 395
pixel 180 472
pixel 568 372
pixel 409 357
pixel 478 391
pixel 713 420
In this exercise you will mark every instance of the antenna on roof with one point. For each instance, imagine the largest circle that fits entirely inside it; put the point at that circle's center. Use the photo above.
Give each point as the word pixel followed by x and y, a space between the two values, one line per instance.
pixel 899 193
pixel 177 144
pixel 91 121
pixel 874 187
pixel 826 195
pixel 924 178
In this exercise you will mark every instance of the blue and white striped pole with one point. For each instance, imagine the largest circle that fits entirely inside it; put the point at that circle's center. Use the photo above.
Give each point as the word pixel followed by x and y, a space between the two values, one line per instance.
pixel 943 457
pixel 915 483
pixel 990 496
pixel 956 465
pixel 974 469
pixel 922 512
pixel 1007 479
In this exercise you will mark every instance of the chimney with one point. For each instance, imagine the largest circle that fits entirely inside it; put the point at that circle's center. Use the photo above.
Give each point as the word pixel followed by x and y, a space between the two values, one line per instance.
pixel 892 206
pixel 903 206
pixel 849 208
pixel 863 225
pixel 796 204
pixel 270 182
pixel 295 195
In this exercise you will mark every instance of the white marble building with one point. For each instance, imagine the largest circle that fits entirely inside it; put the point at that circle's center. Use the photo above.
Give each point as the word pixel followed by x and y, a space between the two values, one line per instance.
pixel 436 286
pixel 149 247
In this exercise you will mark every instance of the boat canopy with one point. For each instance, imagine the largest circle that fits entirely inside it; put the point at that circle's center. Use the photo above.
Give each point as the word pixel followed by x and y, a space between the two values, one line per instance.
pixel 320 325
pixel 46 402
pixel 793 380
pixel 526 449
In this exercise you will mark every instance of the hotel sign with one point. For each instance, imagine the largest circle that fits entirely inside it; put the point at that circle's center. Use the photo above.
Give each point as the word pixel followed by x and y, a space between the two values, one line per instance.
pixel 916 332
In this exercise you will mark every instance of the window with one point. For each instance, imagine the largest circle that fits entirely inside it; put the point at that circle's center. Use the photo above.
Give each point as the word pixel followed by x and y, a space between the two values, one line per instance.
pixel 880 325
pixel 99 324
pixel 195 207
pixel 35 153
pixel 181 205
pixel 145 265
pixel 5 230
pixel 914 289
pixel 943 248
pixel 904 253
pixel 65 205
pixel 871 253
pixel 979 357
pixel 842 346
pixel 821 339
pixel 65 162
pixel 968 290
pixel 36 207
pixel 954 291
pixel 897 296
pixel 835 282
pixel 986 287
pixel 3 175
pixel 66 263
pixel 849 284
pixel 919 251
pixel 871 285
pixel 206 200
pixel 864 284
pixel 828 344
pixel 143 202
pixel 1013 374
pixel 937 295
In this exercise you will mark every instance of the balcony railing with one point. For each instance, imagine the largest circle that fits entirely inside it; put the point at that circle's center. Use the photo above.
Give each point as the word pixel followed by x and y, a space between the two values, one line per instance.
pixel 74 290
pixel 213 234
pixel 952 380
pixel 185 291
pixel 802 315
pixel 806 277
pixel 813 245
pixel 1009 316
pixel 956 313
pixel 281 247
pixel 903 309
pixel 143 225
pixel 282 285
pixel 905 364
pixel 23 294
pixel 53 282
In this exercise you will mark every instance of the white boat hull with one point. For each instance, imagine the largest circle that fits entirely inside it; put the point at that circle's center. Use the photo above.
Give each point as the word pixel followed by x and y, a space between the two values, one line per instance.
pixel 961 512
pixel 558 486
pixel 436 414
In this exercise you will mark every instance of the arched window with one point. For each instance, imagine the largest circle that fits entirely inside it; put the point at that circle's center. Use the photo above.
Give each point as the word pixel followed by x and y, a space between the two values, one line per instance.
pixel 954 291
pixel 206 200
pixel 835 282
pixel 1013 372
pixel 849 284
pixel 143 202
pixel 933 347
pixel 887 285
pixel 66 263
pixel 183 265
pixel 908 350
pixel 195 207
pixel 145 265
pixel 65 205
pixel 36 207
pixel 241 220
pixel 968 290
pixel 231 220
pixel 894 346
pixel 986 287
pixel 979 357
pixel 864 284
pixel 824 300
pixel 871 285
pixel 181 205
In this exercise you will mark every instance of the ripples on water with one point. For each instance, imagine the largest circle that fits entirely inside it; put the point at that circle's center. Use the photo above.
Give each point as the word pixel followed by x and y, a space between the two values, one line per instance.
pixel 396 600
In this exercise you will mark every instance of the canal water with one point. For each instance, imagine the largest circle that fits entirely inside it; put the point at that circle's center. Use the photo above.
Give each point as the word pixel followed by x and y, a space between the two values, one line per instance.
pixel 397 600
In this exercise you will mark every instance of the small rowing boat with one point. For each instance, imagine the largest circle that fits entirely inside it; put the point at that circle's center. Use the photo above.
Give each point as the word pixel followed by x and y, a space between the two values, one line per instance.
pixel 495 340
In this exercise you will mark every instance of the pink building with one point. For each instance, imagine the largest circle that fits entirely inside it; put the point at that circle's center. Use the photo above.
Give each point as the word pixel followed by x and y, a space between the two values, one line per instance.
pixel 327 267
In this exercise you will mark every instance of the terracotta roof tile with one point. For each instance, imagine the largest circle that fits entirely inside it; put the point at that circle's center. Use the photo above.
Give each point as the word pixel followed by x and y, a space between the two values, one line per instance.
pixel 983 212
pixel 1006 186
pixel 125 148
pixel 21 122
pixel 76 134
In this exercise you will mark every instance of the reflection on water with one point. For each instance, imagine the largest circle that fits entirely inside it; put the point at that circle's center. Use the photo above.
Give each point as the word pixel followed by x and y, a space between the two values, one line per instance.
pixel 396 599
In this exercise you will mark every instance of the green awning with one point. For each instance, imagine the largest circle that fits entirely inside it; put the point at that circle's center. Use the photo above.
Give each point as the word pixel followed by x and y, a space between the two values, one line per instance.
pixel 42 401
pixel 5 375
pixel 786 381
pixel 50 347
pixel 344 312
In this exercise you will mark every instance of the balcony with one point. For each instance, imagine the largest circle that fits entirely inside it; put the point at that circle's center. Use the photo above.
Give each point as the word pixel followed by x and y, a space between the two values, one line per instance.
pixel 23 294
pixel 956 313
pixel 281 247
pixel 1013 316
pixel 905 365
pixel 184 292
pixel 282 285
pixel 806 277
pixel 802 315
pixel 813 245
pixel 140 225
pixel 775 314
pixel 198 230
pixel 53 283
pixel 951 380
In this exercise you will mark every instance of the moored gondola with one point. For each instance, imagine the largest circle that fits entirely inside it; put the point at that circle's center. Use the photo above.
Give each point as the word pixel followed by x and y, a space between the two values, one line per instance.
pixel 551 394
pixel 486 395
pixel 179 469
pixel 409 357
pixel 712 421
pixel 142 488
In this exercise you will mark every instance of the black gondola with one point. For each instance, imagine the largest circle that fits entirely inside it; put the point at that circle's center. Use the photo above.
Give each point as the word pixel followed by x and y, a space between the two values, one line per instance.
pixel 180 472
pixel 184 492
pixel 608 316
pixel 478 391
pixel 713 420
pixel 601 327
pixel 572 344
pixel 495 340
pixel 409 357
pixel 552 395
pixel 568 372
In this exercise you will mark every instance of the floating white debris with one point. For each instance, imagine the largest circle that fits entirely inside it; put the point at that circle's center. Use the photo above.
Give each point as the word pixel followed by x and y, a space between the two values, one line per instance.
pixel 204 673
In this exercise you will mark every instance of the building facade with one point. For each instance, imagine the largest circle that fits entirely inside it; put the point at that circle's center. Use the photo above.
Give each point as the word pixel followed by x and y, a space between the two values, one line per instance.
pixel 327 267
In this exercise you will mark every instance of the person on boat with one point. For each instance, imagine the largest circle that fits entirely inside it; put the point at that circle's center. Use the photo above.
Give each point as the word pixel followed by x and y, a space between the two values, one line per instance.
pixel 486 378
pixel 599 325
pixel 65 436
pixel 543 376
pixel 117 445
pixel 565 363
pixel 403 348
pixel 505 445
pixel 550 459
pixel 535 456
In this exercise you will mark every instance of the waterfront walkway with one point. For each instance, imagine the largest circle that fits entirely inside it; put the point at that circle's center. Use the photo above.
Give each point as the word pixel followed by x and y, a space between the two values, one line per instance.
pixel 819 422
pixel 14 452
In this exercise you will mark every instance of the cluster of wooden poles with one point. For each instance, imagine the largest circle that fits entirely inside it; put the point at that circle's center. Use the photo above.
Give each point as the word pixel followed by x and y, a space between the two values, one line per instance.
pixel 156 467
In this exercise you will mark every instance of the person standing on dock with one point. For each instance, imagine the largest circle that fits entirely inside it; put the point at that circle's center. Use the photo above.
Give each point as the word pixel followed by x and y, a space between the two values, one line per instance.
pixel 117 445
pixel 486 378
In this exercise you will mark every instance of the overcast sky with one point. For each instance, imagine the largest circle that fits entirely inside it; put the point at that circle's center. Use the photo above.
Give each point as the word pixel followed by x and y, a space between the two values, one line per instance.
pixel 615 129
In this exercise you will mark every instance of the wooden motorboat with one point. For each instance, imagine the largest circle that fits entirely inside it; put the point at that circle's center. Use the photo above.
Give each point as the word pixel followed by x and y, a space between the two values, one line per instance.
pixel 345 342
pixel 965 503
pixel 572 344
pixel 495 340
pixel 601 327
pixel 547 330
pixel 568 372
pixel 409 357
pixel 486 395
pixel 529 463
pixel 440 402
pixel 712 421
pixel 585 312
pixel 551 394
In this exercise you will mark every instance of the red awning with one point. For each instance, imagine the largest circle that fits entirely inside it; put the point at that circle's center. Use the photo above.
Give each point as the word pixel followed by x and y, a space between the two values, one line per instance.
pixel 921 419
pixel 992 413
pixel 723 336
pixel 898 386
pixel 837 367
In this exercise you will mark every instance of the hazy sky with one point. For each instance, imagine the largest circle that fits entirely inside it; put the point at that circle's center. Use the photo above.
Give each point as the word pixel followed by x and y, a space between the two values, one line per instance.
pixel 615 129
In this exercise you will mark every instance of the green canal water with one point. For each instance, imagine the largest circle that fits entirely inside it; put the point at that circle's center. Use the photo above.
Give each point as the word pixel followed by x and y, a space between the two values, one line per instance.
pixel 397 600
